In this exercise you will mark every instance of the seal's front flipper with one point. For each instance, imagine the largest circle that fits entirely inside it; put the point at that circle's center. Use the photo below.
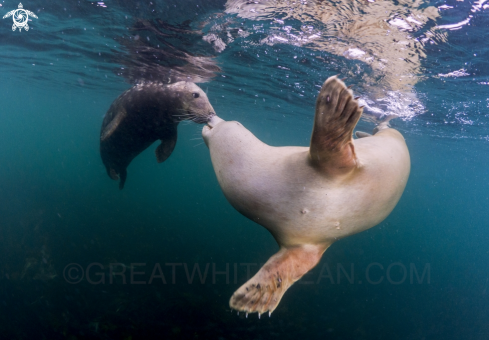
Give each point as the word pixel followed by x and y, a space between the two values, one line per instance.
pixel 361 134
pixel 112 120
pixel 337 113
pixel 264 291
pixel 384 124
pixel 168 142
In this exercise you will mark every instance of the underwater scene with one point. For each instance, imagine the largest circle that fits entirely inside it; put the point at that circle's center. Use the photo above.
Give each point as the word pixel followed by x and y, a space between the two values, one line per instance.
pixel 381 243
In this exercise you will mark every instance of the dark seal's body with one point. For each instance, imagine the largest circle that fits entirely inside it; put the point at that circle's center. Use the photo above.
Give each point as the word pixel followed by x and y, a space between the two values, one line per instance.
pixel 144 114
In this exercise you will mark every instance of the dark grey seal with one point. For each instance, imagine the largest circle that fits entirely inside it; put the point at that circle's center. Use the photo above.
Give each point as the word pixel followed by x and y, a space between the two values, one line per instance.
pixel 144 114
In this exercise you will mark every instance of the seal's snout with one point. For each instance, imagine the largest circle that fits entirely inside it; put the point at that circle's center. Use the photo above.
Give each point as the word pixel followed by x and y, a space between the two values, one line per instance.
pixel 208 128
pixel 213 121
pixel 210 115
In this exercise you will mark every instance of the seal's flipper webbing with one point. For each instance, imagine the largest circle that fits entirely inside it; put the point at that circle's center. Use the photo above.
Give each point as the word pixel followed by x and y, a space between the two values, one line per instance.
pixel 337 113
pixel 264 291
pixel 168 142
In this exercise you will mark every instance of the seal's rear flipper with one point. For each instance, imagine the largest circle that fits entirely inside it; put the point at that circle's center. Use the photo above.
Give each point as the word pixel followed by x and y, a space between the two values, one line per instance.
pixel 337 113
pixel 264 291
pixel 168 142
pixel 112 173
pixel 123 176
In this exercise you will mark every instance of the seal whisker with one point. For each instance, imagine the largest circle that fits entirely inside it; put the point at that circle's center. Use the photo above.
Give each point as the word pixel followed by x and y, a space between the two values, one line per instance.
pixel 185 114
pixel 182 111
pixel 185 117
pixel 199 119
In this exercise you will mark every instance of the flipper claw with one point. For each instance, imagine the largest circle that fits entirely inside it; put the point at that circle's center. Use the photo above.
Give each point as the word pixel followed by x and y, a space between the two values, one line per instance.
pixel 264 291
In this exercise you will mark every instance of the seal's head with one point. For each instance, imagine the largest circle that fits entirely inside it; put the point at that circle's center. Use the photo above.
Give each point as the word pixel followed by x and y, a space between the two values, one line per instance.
pixel 194 104
pixel 145 113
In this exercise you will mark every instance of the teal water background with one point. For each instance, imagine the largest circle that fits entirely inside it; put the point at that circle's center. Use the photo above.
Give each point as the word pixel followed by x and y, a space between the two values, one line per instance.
pixel 58 207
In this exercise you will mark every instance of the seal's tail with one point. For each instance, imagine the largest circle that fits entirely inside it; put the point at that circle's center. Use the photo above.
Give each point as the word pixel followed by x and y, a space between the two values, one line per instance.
pixel 337 113
pixel 264 291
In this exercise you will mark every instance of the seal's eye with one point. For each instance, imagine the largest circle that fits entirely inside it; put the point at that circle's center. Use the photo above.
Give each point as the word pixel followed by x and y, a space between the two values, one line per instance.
pixel 195 95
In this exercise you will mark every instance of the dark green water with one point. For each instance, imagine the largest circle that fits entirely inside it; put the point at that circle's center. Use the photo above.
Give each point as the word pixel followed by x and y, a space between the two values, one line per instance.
pixel 69 239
